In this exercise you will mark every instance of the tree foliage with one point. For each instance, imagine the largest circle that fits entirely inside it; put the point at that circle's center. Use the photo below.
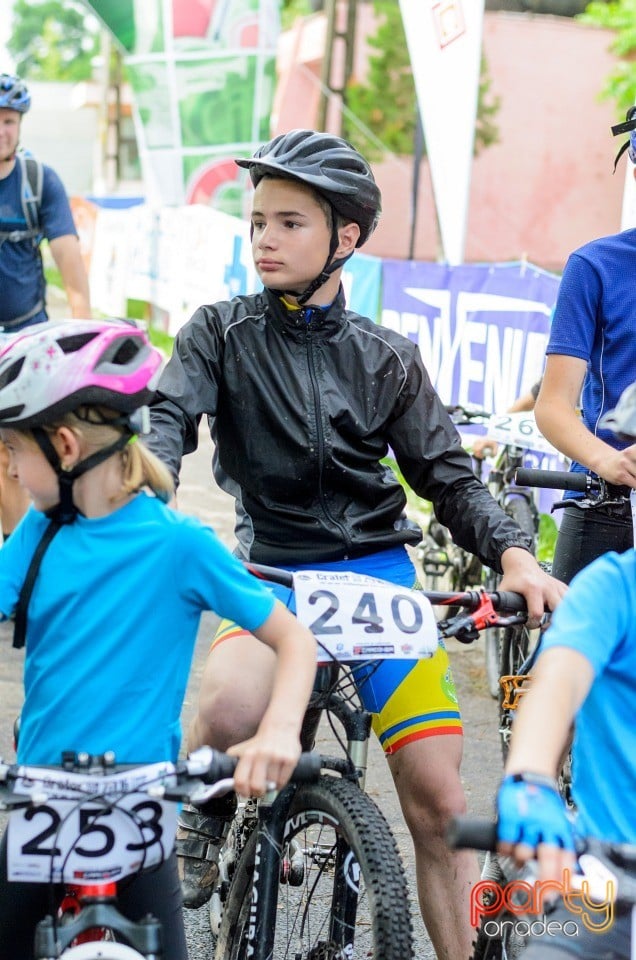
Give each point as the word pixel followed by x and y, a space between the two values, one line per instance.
pixel 53 40
pixel 386 103
pixel 618 16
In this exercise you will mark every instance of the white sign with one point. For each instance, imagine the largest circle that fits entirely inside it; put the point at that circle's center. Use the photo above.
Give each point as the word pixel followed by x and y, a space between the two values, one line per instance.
pixel 355 617
pixel 444 41
pixel 519 429
pixel 88 829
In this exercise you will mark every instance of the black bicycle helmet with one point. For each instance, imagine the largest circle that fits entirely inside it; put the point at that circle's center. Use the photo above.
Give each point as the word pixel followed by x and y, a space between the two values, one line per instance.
pixel 622 419
pixel 328 164
pixel 335 169
pixel 14 94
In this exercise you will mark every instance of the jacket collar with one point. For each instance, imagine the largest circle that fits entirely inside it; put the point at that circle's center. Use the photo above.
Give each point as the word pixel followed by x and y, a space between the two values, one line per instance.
pixel 308 321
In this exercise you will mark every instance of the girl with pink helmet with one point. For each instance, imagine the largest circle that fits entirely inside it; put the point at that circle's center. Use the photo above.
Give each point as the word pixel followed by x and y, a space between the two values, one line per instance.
pixel 104 578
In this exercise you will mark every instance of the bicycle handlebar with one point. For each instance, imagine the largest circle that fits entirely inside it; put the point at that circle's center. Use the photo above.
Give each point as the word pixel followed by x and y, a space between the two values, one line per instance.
pixel 558 480
pixel 504 601
pixel 202 767
pixel 476 833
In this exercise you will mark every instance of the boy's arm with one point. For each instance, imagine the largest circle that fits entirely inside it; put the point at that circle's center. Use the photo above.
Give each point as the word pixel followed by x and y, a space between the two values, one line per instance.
pixel 560 683
pixel 530 809
pixel 272 753
pixel 558 419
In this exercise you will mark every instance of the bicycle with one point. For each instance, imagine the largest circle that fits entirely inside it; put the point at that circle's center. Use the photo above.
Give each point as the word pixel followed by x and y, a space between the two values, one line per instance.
pixel 447 566
pixel 502 932
pixel 329 883
pixel 518 436
pixel 87 824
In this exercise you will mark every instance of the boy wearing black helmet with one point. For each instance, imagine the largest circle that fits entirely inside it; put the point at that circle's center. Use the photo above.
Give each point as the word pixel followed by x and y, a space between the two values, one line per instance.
pixel 21 273
pixel 304 398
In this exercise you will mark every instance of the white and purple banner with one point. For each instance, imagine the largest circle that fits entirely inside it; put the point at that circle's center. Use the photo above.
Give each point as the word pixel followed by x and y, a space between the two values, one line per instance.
pixel 482 329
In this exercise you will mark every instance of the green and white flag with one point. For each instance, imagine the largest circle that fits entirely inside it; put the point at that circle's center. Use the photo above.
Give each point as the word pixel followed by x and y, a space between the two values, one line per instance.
pixel 202 74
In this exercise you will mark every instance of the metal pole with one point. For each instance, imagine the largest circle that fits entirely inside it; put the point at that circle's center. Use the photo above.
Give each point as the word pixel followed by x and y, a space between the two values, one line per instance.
pixel 418 153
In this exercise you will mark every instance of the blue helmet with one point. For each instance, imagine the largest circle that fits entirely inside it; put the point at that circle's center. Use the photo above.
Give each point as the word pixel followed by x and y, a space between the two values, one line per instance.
pixel 14 94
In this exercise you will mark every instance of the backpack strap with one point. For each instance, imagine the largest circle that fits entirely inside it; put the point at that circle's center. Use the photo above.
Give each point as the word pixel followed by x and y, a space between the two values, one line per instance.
pixel 32 176
pixel 31 186
pixel 19 631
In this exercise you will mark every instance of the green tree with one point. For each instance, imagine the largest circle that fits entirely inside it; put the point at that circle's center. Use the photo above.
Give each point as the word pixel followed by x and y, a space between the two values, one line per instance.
pixel 386 103
pixel 618 16
pixel 53 40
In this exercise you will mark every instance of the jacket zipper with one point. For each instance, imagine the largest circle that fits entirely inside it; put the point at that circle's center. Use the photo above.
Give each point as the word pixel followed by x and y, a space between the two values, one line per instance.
pixel 321 445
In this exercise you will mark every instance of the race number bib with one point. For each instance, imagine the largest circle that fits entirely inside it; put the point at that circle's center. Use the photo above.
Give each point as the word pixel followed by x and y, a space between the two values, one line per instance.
pixel 96 829
pixel 356 617
pixel 519 429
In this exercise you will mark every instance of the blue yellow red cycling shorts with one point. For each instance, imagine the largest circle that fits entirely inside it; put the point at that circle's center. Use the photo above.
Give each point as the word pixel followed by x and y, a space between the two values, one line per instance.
pixel 409 699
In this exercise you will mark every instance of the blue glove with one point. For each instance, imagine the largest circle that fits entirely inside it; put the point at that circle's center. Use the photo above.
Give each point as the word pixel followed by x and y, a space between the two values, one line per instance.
pixel 531 811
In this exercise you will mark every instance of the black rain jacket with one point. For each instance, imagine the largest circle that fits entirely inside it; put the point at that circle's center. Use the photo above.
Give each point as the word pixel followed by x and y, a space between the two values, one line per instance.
pixel 302 407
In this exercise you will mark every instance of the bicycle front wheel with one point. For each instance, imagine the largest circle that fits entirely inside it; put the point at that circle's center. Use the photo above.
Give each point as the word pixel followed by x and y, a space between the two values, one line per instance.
pixel 101 951
pixel 344 894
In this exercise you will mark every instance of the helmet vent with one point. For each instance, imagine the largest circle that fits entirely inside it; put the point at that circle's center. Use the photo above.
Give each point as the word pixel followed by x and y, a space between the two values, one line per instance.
pixel 75 342
pixel 9 375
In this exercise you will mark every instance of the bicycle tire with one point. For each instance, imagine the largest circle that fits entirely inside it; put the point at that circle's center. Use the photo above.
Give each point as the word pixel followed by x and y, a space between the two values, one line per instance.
pixel 351 866
pixel 497 665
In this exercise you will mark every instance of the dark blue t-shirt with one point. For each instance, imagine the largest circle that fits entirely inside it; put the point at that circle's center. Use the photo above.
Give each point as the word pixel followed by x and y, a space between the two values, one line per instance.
pixel 595 320
pixel 21 277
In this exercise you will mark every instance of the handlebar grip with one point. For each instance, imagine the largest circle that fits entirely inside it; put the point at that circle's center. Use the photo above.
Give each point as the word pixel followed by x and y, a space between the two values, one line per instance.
pixel 474 834
pixel 507 601
pixel 222 766
pixel 552 479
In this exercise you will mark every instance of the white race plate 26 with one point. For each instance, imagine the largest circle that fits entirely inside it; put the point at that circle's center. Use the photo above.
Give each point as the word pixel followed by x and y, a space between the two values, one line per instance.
pixel 356 617
pixel 104 833
pixel 519 429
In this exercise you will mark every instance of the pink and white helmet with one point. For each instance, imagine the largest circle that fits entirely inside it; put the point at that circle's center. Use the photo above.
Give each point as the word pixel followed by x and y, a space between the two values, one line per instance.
pixel 53 368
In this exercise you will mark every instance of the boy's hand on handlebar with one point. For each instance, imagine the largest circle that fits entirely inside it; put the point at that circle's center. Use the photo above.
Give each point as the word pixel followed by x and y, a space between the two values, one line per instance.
pixel 522 574
pixel 533 823
pixel 267 761
pixel 619 467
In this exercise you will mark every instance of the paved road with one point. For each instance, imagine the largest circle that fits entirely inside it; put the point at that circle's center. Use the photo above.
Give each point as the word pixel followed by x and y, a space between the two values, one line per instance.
pixel 482 763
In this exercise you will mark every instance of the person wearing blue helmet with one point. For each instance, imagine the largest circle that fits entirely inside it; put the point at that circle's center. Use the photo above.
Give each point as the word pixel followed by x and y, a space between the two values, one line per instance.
pixel 591 357
pixel 27 217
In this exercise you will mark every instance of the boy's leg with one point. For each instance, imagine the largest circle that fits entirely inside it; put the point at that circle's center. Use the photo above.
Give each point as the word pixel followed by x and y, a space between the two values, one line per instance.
pixel 426 774
pixel 417 720
pixel 235 689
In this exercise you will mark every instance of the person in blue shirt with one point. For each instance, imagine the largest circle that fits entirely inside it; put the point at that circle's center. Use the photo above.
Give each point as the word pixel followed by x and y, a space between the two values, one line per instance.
pixel 22 282
pixel 591 357
pixel 584 675
pixel 122 584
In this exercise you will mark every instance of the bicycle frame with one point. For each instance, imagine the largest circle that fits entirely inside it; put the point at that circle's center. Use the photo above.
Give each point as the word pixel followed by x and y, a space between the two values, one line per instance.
pixel 95 909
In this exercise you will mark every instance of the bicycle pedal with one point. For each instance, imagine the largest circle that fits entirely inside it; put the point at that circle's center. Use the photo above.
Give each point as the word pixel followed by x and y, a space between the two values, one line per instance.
pixel 514 687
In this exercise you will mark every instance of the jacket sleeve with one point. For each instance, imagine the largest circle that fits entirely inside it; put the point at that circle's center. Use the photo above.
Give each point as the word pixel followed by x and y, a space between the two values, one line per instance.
pixel 187 389
pixel 429 453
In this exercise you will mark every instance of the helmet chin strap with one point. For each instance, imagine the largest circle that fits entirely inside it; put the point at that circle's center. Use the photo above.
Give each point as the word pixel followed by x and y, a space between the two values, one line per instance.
pixel 66 511
pixel 330 267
